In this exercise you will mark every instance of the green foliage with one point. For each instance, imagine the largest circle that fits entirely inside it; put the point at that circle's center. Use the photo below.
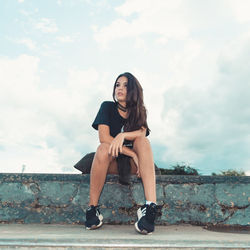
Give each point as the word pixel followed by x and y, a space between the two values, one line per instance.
pixel 230 172
pixel 179 170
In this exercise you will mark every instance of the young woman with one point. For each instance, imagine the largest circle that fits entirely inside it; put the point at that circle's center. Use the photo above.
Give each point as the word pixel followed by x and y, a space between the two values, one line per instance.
pixel 122 127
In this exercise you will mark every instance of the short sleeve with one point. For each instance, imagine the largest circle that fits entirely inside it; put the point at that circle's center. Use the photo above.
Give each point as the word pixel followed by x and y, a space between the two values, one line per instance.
pixel 102 116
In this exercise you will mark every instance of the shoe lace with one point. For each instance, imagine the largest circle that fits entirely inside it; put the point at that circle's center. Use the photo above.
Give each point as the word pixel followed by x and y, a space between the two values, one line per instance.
pixel 91 212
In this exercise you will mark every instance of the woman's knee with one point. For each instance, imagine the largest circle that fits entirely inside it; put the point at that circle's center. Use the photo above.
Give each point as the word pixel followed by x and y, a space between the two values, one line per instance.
pixel 141 141
pixel 102 152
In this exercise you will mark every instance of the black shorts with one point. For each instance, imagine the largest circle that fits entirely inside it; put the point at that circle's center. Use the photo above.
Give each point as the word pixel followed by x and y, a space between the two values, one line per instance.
pixel 128 144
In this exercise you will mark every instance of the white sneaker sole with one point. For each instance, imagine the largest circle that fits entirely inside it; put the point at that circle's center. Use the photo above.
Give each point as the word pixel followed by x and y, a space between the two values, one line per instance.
pixel 141 232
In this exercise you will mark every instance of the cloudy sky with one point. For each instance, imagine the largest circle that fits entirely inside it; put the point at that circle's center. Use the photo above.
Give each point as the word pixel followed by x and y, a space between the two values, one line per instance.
pixel 59 60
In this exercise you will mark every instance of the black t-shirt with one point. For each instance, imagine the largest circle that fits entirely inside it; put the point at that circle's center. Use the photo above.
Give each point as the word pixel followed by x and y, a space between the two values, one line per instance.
pixel 109 115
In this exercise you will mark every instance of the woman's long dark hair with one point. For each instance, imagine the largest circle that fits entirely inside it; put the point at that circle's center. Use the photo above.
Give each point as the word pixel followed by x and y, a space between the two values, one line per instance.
pixel 137 113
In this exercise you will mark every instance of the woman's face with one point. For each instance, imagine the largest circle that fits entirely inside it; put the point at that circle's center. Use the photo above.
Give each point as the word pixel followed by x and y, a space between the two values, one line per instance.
pixel 121 89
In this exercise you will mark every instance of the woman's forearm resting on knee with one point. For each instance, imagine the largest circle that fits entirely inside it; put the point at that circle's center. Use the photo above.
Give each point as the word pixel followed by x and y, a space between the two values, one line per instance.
pixel 134 134
pixel 125 150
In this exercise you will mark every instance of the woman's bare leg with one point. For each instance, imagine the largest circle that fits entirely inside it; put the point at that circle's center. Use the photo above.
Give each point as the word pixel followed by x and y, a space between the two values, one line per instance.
pixel 144 153
pixel 102 164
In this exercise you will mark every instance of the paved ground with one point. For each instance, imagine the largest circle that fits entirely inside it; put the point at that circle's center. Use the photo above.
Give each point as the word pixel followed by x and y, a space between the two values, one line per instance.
pixel 51 236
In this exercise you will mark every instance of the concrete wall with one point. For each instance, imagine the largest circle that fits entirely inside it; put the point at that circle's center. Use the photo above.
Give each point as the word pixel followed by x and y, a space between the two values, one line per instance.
pixel 63 198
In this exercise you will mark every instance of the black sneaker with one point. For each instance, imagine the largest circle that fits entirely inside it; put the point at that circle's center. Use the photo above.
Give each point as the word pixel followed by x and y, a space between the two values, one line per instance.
pixel 93 218
pixel 146 217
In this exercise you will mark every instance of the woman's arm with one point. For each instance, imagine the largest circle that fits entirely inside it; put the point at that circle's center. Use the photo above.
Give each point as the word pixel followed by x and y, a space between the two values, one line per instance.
pixel 104 136
pixel 134 134
pixel 125 150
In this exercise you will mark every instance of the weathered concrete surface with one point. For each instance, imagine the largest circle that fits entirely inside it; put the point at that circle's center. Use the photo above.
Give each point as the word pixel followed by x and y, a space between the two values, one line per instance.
pixel 63 198
pixel 118 236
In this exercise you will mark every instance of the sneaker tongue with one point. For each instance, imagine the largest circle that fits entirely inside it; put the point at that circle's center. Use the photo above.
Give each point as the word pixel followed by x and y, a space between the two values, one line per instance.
pixel 153 205
pixel 90 207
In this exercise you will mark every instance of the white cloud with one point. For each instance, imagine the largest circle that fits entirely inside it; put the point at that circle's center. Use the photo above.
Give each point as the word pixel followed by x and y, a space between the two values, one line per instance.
pixel 140 44
pixel 47 129
pixel 65 39
pixel 240 10
pixel 29 13
pixel 28 43
pixel 163 18
pixel 211 119
pixel 46 25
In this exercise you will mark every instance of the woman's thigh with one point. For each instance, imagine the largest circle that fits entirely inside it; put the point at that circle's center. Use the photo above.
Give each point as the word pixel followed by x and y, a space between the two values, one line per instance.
pixel 112 169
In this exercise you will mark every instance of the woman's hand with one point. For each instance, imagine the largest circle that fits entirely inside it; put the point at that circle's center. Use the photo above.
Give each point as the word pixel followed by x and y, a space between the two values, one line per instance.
pixel 116 145
pixel 135 158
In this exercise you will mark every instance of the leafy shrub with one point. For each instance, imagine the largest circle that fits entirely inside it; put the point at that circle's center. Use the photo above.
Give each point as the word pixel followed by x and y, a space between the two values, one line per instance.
pixel 231 172
pixel 179 170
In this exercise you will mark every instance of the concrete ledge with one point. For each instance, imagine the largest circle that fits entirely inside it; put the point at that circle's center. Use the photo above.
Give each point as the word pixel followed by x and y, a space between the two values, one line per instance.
pixel 63 198
pixel 174 179
pixel 117 237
